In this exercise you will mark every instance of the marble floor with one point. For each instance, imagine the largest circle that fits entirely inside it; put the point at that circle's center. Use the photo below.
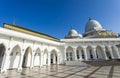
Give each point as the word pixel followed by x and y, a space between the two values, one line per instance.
pixel 61 71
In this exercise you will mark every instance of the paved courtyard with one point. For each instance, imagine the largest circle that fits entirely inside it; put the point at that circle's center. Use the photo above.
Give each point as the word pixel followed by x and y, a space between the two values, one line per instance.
pixel 62 71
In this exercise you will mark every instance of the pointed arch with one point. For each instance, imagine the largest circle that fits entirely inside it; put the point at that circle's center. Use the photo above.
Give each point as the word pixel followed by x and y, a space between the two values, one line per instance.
pixel 69 54
pixel 54 57
pixel 80 53
pixel 90 52
pixel 37 57
pixel 14 57
pixel 118 47
pixel 114 52
pixel 108 52
pixel 99 53
pixel 27 57
pixel 45 57
pixel 2 53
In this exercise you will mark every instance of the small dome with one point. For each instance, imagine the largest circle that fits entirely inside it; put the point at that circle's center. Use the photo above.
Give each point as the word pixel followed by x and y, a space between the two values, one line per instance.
pixel 92 25
pixel 73 34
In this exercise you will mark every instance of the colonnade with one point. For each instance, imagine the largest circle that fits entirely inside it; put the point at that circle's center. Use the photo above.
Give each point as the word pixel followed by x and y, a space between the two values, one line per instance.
pixel 18 57
pixel 92 53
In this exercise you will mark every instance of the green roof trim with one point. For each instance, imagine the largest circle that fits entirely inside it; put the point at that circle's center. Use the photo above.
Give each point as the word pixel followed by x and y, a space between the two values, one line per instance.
pixel 51 38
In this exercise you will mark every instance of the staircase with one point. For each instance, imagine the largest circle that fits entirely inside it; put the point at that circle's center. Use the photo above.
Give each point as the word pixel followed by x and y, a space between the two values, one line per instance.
pixel 102 62
pixel 93 63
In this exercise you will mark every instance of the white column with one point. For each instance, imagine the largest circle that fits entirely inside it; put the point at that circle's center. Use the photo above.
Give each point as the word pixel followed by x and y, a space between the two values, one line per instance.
pixel 32 60
pixel 49 58
pixel 21 56
pixel 110 50
pixel 65 54
pixel 58 60
pixel 118 52
pixel 21 61
pixel 5 63
pixel 41 63
pixel 85 52
pixel 106 58
pixel 95 54
pixel 75 55
pixel 80 54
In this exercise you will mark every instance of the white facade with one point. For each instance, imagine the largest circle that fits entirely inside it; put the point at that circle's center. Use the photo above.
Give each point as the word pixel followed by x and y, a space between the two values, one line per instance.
pixel 19 49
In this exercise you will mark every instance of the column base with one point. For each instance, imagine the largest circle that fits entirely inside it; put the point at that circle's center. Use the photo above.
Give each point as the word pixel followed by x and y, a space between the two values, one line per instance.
pixel 31 68
pixel 19 69
pixel 3 71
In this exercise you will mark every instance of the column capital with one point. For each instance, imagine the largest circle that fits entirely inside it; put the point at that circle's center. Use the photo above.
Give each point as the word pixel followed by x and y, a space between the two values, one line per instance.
pixel 94 47
pixel 84 47
pixel 103 47
pixel 74 48
pixel 109 46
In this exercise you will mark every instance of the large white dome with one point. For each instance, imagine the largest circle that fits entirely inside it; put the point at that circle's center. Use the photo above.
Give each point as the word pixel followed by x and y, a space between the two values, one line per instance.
pixel 93 25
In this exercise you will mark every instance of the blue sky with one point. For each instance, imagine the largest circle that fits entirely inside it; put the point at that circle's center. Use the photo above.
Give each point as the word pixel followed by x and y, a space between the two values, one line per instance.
pixel 56 17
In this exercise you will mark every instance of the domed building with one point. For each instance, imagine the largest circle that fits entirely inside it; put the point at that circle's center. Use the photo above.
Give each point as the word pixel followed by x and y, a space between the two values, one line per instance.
pixel 21 47
pixel 94 29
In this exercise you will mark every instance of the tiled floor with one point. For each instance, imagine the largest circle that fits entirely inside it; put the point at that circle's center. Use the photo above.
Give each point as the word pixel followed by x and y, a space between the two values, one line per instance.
pixel 62 71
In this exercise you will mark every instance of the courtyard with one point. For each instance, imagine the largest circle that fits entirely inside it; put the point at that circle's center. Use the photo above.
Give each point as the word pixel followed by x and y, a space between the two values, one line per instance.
pixel 62 71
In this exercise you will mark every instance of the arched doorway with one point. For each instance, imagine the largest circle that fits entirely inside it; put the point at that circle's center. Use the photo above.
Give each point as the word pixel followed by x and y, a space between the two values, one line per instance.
pixel 53 57
pixel 37 58
pixel 99 53
pixel 27 57
pixel 118 46
pixel 15 57
pixel 90 53
pixel 69 54
pixel 80 53
pixel 45 57
pixel 115 54
pixel 108 53
pixel 2 52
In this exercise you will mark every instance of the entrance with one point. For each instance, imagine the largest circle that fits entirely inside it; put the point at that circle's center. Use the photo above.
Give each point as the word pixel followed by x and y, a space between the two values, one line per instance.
pixel 2 51
pixel 27 57
pixel 53 57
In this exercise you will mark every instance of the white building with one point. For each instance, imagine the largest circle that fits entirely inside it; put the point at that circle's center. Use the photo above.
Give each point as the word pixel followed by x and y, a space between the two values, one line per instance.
pixel 21 47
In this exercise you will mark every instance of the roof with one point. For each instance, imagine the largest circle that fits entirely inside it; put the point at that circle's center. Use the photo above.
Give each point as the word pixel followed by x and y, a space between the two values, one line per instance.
pixel 28 31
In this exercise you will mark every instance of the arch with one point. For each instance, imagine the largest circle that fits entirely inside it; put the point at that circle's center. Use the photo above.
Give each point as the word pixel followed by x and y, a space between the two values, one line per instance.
pixel 69 54
pixel 108 52
pixel 45 57
pixel 114 52
pixel 80 53
pixel 118 46
pixel 90 52
pixel 27 57
pixel 37 57
pixel 2 53
pixel 14 57
pixel 54 57
pixel 99 53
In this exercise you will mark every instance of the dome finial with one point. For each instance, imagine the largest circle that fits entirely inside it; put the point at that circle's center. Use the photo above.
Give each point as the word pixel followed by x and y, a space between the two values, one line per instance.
pixel 90 18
